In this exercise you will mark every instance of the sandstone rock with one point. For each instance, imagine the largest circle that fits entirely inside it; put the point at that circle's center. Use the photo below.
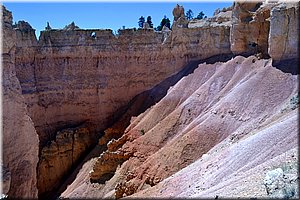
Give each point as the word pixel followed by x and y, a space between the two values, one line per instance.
pixel 178 12
pixel 72 76
pixel 71 27
pixel 20 140
pixel 220 19
pixel 284 32
pixel 57 158
pixel 181 22
pixel 67 74
pixel 106 165
pixel 250 28
pixel 23 26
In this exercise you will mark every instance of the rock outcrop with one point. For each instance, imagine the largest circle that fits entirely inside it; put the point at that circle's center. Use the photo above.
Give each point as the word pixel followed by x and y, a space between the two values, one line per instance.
pixel 250 28
pixel 267 28
pixel 284 31
pixel 20 140
pixel 61 155
pixel 178 12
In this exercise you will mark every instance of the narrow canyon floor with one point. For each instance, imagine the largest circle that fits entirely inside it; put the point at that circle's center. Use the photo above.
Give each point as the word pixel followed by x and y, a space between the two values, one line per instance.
pixel 216 133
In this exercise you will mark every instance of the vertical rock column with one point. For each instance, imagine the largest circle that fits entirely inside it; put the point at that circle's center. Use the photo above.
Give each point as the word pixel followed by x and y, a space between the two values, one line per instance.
pixel 20 140
pixel 250 29
pixel 284 31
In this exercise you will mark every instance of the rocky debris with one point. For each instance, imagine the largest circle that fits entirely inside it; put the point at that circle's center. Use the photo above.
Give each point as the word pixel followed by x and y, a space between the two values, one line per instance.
pixel 106 165
pixel 71 27
pixel 61 154
pixel 281 185
pixel 178 12
pixel 20 140
pixel 284 31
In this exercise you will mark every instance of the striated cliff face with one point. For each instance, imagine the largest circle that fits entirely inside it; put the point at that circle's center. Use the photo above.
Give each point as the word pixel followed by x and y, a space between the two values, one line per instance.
pixel 20 140
pixel 72 77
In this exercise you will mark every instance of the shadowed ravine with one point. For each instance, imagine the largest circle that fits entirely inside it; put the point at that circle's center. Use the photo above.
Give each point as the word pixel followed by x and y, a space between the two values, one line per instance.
pixel 137 105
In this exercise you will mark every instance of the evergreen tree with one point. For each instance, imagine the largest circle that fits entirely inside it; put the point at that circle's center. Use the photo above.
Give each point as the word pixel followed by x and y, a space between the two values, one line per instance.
pixel 149 21
pixel 200 15
pixel 141 21
pixel 189 14
pixel 164 22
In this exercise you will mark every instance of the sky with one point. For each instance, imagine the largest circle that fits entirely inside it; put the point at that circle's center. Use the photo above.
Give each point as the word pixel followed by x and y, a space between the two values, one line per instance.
pixel 102 15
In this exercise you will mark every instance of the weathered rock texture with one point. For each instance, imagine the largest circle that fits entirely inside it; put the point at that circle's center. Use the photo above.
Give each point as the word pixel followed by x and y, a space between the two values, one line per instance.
pixel 226 113
pixel 270 29
pixel 284 31
pixel 250 29
pixel 20 140
pixel 61 154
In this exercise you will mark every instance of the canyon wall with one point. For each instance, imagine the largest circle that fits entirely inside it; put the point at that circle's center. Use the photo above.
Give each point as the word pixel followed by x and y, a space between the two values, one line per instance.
pixel 20 140
pixel 71 77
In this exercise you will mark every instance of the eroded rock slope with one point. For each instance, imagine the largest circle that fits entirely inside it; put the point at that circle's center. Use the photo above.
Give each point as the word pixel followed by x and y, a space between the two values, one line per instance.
pixel 241 110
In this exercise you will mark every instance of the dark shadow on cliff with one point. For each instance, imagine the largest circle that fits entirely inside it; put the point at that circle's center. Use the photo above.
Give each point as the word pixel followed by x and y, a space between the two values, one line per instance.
pixel 146 99
pixel 139 104
pixel 288 66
